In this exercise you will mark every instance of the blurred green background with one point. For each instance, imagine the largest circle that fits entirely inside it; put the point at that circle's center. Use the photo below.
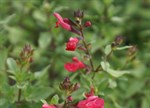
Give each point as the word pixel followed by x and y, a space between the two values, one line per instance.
pixel 32 22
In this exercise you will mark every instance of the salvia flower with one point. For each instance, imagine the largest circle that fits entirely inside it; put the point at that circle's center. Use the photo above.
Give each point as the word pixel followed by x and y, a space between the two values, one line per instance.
pixel 91 102
pixel 72 44
pixel 48 106
pixel 74 65
pixel 65 23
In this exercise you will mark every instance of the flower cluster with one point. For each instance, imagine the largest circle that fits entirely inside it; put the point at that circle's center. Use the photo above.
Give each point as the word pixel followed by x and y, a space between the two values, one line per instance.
pixel 74 43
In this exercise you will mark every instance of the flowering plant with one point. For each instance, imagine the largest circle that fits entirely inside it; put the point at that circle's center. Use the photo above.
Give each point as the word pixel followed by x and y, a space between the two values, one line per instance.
pixel 43 64
pixel 79 43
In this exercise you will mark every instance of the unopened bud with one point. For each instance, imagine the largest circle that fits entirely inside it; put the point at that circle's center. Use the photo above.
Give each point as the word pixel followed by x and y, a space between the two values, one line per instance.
pixel 87 24
pixel 30 60
pixel 69 99
pixel 132 50
pixel 78 16
pixel 76 86
pixel 119 40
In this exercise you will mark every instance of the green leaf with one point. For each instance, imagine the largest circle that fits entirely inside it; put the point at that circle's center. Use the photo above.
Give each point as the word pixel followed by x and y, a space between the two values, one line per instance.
pixel 122 48
pixel 134 87
pixel 39 15
pixel 114 73
pixel 41 73
pixel 44 40
pixel 44 101
pixel 107 49
pixel 36 93
pixel 112 83
pixel 12 65
pixel 145 103
pixel 3 57
pixel 54 99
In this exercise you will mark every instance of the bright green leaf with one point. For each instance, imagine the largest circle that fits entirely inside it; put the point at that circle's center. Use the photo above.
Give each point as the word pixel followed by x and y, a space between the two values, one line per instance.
pixel 54 99
pixel 114 73
pixel 107 49
pixel 122 48
pixel 12 65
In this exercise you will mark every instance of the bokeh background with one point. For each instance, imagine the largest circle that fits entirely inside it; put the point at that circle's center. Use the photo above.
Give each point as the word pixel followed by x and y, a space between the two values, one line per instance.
pixel 32 22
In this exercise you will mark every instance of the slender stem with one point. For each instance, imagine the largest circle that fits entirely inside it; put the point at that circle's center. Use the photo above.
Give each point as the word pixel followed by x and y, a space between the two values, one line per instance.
pixel 107 56
pixel 19 95
pixel 87 50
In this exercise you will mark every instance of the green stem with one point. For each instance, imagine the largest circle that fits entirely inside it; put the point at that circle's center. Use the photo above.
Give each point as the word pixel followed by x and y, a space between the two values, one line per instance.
pixel 19 95
pixel 87 50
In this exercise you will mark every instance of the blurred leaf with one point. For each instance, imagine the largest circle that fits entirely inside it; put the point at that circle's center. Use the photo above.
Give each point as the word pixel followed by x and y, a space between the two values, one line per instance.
pixel 134 87
pixel 145 103
pixel 114 73
pixel 16 34
pixel 112 83
pixel 107 2
pixel 44 40
pixel 44 101
pixel 54 100
pixel 8 19
pixel 41 73
pixel 38 93
pixel 39 15
pixel 12 65
pixel 122 48
pixel 107 49
pixel 3 56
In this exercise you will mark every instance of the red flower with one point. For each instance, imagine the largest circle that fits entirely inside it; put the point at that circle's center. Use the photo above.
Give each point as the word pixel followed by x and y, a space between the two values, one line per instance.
pixel 75 65
pixel 65 23
pixel 48 106
pixel 72 44
pixel 91 102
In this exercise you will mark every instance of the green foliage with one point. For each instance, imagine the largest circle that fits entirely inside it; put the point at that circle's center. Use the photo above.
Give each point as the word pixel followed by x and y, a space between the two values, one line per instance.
pixel 32 22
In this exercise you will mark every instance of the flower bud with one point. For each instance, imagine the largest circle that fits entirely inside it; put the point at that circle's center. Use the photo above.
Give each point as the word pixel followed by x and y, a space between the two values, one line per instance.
pixel 87 24
pixel 119 40
pixel 30 60
pixel 69 99
pixel 78 16
pixel 76 86
pixel 132 50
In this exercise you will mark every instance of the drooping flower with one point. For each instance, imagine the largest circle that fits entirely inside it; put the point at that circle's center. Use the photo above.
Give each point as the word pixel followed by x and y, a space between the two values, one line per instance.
pixel 72 44
pixel 74 65
pixel 65 23
pixel 48 106
pixel 91 102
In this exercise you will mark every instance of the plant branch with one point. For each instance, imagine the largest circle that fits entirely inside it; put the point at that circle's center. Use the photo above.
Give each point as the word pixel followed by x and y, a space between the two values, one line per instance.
pixel 87 50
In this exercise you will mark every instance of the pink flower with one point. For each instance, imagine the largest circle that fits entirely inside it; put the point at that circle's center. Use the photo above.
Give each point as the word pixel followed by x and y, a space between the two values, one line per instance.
pixel 74 65
pixel 91 102
pixel 72 44
pixel 65 23
pixel 48 106
pixel 87 24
